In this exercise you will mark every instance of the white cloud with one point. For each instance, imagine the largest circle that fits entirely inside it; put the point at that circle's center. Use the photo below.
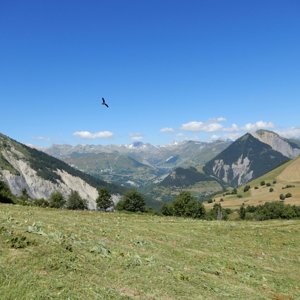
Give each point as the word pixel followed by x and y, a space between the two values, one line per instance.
pixel 93 136
pixel 136 136
pixel 167 130
pixel 293 132
pixel 233 128
pixel 258 125
pixel 202 126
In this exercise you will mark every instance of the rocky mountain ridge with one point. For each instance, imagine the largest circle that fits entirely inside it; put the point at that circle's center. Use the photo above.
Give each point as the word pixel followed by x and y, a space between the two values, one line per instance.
pixel 251 156
pixel 40 174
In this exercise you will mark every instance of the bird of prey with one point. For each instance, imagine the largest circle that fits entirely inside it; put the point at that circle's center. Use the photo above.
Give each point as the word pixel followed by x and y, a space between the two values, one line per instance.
pixel 103 102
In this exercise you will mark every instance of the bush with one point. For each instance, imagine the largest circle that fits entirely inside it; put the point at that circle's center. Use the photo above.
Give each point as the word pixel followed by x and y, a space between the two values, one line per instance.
pixel 234 191
pixel 276 210
pixel 40 202
pixel 184 205
pixel 288 195
pixel 76 202
pixel 262 183
pixel 246 188
pixel 256 187
pixel 56 200
pixel 282 197
pixel 271 190
pixel 132 201
pixel 5 194
pixel 104 200
pixel 274 181
pixel 217 213
pixel 268 184
pixel 242 212
pixel 210 201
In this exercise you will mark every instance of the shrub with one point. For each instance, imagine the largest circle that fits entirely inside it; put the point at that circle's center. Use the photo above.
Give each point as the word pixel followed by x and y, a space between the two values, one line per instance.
pixel 5 194
pixel 262 183
pixel 40 202
pixel 104 200
pixel 282 197
pixel 246 188
pixel 234 191
pixel 132 201
pixel 271 190
pixel 210 201
pixel 256 187
pixel 274 181
pixel 288 195
pixel 242 212
pixel 268 184
pixel 217 213
pixel 167 209
pixel 184 205
pixel 76 202
pixel 240 196
pixel 56 200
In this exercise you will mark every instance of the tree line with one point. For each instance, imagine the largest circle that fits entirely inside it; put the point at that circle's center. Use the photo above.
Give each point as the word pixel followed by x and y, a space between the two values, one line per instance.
pixel 183 205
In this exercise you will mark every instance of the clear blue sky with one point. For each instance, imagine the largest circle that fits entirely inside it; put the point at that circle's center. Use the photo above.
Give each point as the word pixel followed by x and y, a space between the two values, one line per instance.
pixel 201 69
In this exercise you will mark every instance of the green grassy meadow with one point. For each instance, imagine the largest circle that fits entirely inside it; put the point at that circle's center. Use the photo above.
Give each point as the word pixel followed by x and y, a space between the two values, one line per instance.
pixel 61 254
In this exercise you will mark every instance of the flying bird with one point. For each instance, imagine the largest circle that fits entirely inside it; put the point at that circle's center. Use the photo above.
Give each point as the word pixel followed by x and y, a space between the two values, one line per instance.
pixel 104 103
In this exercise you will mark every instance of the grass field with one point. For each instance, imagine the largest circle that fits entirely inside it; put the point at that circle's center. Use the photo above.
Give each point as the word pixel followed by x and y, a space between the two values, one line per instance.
pixel 287 174
pixel 60 254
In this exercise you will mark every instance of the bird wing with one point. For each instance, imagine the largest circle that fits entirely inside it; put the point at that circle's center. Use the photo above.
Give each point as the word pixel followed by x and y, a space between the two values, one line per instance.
pixel 103 100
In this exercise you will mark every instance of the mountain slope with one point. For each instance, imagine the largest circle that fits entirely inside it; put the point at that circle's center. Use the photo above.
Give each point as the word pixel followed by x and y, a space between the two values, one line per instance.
pixel 181 177
pixel 282 180
pixel 244 160
pixel 22 167
pixel 282 145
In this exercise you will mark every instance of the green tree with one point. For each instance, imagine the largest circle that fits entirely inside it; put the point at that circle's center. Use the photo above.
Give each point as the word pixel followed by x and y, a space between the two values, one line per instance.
pixel 5 194
pixel 132 201
pixel 167 209
pixel 185 205
pixel 76 202
pixel 57 200
pixel 104 200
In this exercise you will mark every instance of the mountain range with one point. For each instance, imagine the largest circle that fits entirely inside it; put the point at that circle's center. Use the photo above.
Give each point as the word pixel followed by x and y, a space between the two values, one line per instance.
pixel 137 164
pixel 158 171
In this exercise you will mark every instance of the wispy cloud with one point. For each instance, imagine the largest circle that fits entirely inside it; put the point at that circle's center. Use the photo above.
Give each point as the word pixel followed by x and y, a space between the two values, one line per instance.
pixel 167 130
pixel 201 126
pixel 293 132
pixel 93 135
pixel 258 125
pixel 42 138
pixel 136 136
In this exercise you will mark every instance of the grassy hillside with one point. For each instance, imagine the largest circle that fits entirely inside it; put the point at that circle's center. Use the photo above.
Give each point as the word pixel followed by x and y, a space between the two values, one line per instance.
pixel 58 254
pixel 284 179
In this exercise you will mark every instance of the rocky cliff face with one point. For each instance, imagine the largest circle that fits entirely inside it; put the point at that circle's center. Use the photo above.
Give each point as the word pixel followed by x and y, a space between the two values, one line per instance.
pixel 277 143
pixel 16 169
pixel 244 160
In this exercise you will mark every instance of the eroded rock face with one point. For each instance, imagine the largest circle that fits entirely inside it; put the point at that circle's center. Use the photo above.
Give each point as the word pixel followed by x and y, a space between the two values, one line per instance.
pixel 25 177
pixel 238 172
pixel 277 143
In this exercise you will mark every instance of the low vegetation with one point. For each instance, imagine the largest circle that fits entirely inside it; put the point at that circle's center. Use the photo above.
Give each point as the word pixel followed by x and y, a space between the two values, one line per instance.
pixel 62 254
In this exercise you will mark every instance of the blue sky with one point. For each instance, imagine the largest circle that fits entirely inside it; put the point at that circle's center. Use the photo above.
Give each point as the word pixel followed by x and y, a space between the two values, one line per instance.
pixel 170 70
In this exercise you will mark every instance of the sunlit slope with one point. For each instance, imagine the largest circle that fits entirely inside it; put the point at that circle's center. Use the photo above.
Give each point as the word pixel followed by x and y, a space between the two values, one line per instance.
pixel 61 254
pixel 282 180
